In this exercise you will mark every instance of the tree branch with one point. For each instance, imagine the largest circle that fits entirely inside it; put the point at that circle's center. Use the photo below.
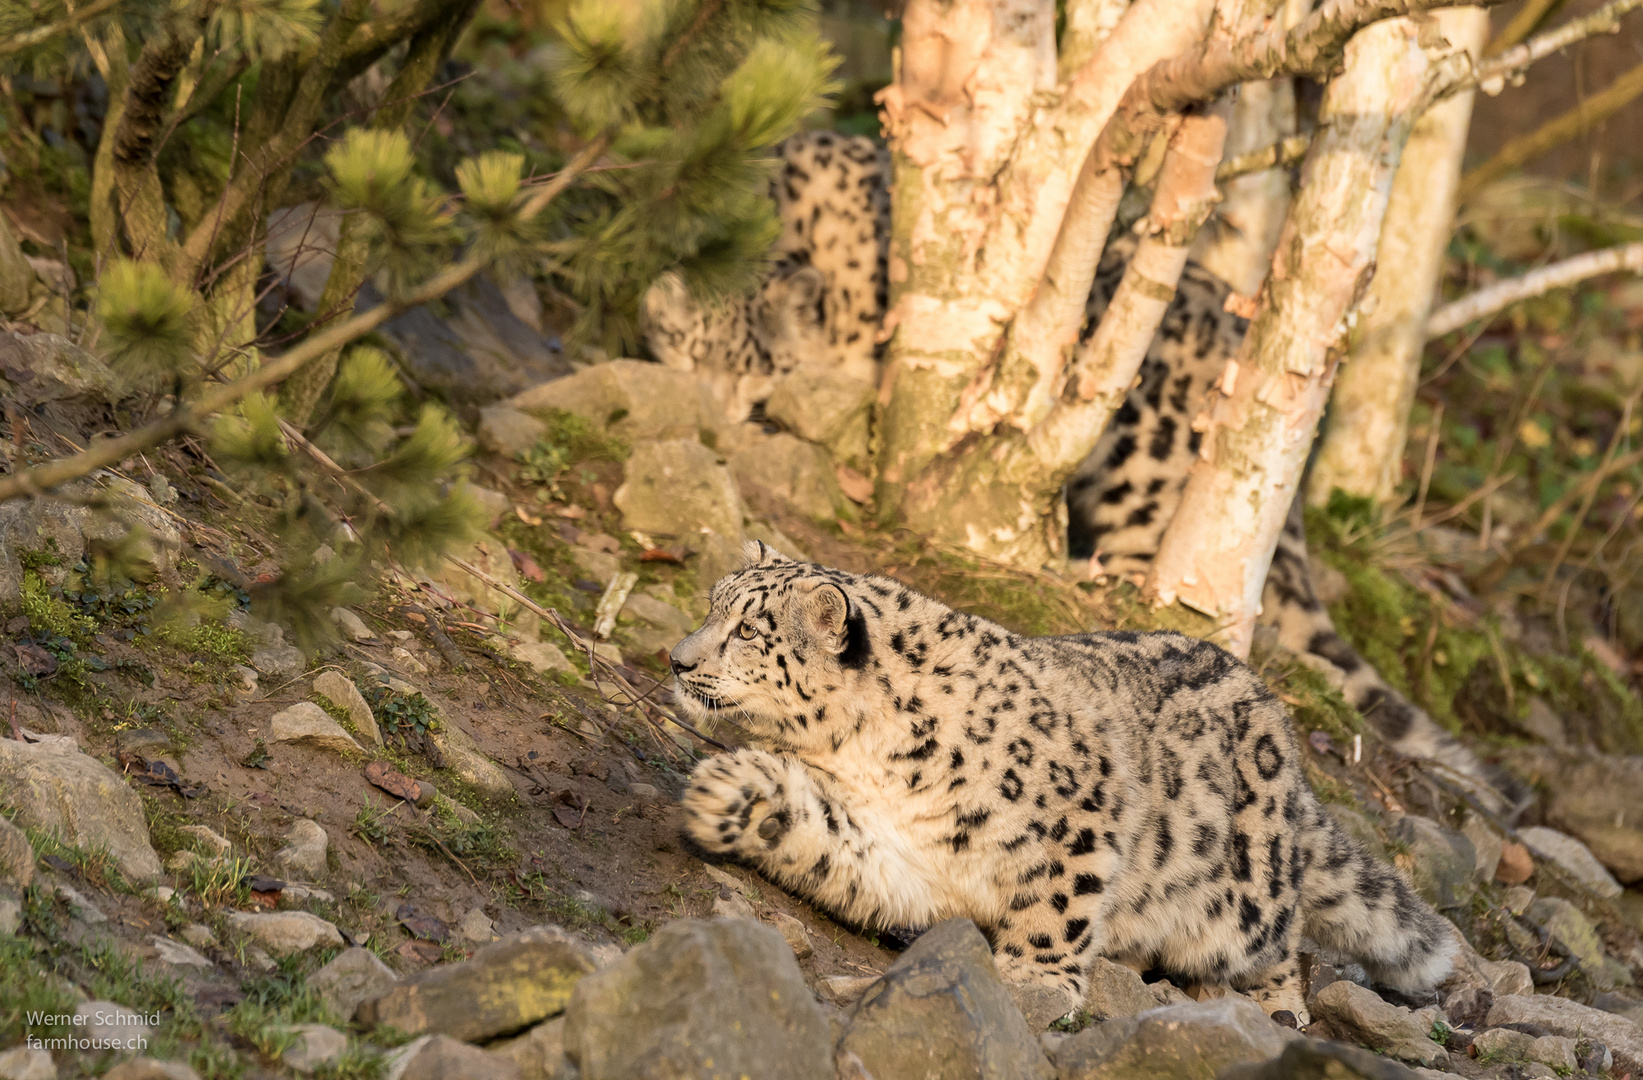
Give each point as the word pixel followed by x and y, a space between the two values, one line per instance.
pixel 1494 74
pixel 28 39
pixel 1284 152
pixel 43 478
pixel 1503 294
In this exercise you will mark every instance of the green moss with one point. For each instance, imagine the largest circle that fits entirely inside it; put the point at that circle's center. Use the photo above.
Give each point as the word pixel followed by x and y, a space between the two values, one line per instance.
pixel 50 614
pixel 221 643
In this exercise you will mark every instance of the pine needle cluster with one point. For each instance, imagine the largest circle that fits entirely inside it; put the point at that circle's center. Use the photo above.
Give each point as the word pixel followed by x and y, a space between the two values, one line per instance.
pixel 699 91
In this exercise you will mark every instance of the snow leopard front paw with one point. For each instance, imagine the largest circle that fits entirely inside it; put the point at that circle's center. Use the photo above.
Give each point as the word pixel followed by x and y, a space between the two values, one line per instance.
pixel 734 804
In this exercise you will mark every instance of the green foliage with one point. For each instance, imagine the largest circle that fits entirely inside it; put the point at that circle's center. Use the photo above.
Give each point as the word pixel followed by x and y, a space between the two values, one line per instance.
pixel 222 643
pixel 149 322
pixel 263 29
pixel 697 92
pixel 373 171
pixel 401 715
pixel 363 399
pixel 491 200
pixel 50 614
pixel 251 438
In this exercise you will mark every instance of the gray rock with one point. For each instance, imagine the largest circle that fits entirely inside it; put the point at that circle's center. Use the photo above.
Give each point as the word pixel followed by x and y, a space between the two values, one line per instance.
pixel 476 928
pixel 1496 976
pixel 1575 858
pixel 55 787
pixel 791 930
pixel 1441 861
pixel 1192 1041
pixel 207 840
pixel 50 370
pixel 477 351
pixel 149 538
pixel 16 856
pixel 439 1057
pixel 634 400
pixel 1355 1014
pixel 1314 1059
pixel 826 407
pixel 112 1028
pixel 657 613
pixel 539 1053
pixel 1501 1044
pixel 729 905
pixel 1359 827
pixel 178 954
pixel 844 990
pixel 1486 843
pixel 599 566
pixel 1558 1051
pixel 351 625
pixel 1620 1005
pixel 678 487
pixel 542 656
pixel 79 905
pixel 149 742
pixel 316 1046
pixel 1116 991
pixel 278 660
pixel 797 474
pixel 1596 798
pixel 305 848
pixel 27 1063
pixel 198 936
pixel 716 556
pixel 284 932
pixel 941 1010
pixel 505 987
pixel 469 762
pixel 149 1069
pixel 506 431
pixel 718 998
pixel 306 724
pixel 11 915
pixel 1468 1007
pixel 1561 1016
pixel 355 975
pixel 340 690
pixel 1568 925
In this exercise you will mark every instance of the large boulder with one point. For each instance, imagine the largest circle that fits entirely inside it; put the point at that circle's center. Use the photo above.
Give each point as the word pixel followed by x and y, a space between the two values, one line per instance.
pixel 16 856
pixel 722 998
pixel 48 369
pixel 632 399
pixel 826 407
pixel 55 787
pixel 1560 1016
pixel 505 987
pixel 941 1011
pixel 678 487
pixel 787 469
pixel 306 724
pixel 1190 1041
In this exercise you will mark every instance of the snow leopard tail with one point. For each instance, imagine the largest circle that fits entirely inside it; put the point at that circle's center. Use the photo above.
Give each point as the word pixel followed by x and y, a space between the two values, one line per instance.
pixel 1358 908
pixel 1304 628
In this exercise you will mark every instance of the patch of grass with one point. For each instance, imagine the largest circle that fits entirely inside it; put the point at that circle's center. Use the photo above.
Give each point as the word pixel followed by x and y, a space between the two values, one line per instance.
pixel 216 1061
pixel 221 643
pixel 573 914
pixel 1077 1021
pixel 358 1062
pixel 402 715
pixel 218 883
pixel 372 823
pixel 27 987
pixel 96 864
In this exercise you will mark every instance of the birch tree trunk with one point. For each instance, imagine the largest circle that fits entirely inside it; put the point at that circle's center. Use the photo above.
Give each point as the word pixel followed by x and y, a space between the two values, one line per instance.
pixel 1362 446
pixel 1215 554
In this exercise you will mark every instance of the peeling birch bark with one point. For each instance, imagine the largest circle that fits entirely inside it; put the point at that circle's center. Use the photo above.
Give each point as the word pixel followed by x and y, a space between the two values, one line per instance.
pixel 1215 553
pixel 1362 447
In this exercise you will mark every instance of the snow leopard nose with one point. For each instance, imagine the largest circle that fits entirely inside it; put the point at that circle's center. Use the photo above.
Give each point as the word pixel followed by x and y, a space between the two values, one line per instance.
pixel 679 668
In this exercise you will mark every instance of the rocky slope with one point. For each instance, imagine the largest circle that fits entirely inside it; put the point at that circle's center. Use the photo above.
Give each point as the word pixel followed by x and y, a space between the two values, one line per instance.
pixel 444 845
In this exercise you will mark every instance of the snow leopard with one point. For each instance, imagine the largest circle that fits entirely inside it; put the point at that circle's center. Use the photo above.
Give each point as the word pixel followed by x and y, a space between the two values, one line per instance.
pixel 832 198
pixel 1132 795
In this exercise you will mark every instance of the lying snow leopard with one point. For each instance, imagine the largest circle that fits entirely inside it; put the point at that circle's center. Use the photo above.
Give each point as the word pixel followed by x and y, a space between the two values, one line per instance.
pixel 831 195
pixel 1137 796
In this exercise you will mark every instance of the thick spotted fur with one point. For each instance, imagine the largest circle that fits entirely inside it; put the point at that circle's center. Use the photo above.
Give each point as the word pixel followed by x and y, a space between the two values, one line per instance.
pixel 1138 796
pixel 831 195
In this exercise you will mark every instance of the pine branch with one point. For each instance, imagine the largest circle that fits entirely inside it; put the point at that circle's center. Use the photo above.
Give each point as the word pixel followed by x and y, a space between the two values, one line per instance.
pixel 43 478
pixel 1486 302
pixel 152 76
pixel 280 152
pixel 28 39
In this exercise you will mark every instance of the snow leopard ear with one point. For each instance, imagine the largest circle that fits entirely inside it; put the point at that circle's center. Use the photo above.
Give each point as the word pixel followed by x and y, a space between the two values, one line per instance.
pixel 826 613
pixel 758 553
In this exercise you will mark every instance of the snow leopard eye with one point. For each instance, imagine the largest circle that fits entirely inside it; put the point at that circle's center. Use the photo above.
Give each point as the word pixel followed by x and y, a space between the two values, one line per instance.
pixel 747 632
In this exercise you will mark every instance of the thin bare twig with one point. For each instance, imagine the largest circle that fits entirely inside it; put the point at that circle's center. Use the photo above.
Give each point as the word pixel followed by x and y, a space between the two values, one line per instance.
pixel 1485 302
pixel 1621 431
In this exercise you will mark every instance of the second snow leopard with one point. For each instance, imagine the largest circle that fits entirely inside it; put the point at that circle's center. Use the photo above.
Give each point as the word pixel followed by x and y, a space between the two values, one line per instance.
pixel 824 301
pixel 1136 796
